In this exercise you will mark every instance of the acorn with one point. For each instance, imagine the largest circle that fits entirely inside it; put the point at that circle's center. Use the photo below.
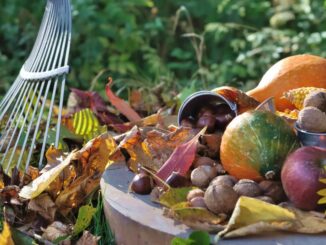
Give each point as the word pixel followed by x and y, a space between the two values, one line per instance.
pixel 142 184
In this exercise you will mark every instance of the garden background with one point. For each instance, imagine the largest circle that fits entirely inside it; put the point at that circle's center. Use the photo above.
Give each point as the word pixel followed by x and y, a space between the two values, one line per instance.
pixel 185 45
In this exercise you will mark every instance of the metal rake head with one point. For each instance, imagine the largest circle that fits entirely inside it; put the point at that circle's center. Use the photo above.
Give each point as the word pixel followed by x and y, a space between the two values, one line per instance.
pixel 32 107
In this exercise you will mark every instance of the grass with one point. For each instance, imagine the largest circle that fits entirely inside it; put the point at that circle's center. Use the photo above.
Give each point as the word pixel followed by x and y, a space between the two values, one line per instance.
pixel 100 226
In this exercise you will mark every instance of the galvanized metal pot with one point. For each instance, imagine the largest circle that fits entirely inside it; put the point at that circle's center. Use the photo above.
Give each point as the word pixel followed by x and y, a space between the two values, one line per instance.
pixel 192 104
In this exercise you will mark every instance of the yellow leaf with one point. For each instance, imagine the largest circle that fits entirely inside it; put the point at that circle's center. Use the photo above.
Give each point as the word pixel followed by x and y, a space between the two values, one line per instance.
pixel 323 180
pixel 249 211
pixel 174 196
pixel 86 124
pixel 322 200
pixel 252 216
pixel 37 186
pixel 322 192
pixel 5 236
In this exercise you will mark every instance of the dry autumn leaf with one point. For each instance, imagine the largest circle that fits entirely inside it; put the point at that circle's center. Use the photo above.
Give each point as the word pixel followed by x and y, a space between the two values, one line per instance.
pixel 181 159
pixel 56 230
pixel 151 147
pixel 38 185
pixel 249 211
pixel 76 193
pixel 88 239
pixel 122 106
pixel 44 206
pixel 199 218
pixel 252 216
pixel 93 159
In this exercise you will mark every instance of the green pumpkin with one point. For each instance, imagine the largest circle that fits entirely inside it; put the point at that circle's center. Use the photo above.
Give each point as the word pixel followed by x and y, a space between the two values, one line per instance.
pixel 256 143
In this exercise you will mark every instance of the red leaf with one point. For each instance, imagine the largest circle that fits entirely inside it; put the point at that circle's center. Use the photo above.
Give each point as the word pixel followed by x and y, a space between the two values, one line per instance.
pixel 92 100
pixel 121 105
pixel 181 159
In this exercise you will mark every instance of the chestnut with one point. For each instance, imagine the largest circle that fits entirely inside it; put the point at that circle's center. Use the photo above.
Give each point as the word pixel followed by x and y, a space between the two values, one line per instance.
pixel 206 111
pixel 206 121
pixel 176 180
pixel 142 184
pixel 224 116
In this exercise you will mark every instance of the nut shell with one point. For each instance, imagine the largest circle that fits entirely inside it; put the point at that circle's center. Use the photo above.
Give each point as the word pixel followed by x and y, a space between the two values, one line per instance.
pixel 198 202
pixel 224 180
pixel 312 120
pixel 195 193
pixel 266 199
pixel 220 199
pixel 273 189
pixel 316 99
pixel 199 161
pixel 246 187
pixel 202 175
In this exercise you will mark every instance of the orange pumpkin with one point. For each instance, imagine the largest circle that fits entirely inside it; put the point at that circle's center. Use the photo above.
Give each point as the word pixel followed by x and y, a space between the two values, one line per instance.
pixel 290 73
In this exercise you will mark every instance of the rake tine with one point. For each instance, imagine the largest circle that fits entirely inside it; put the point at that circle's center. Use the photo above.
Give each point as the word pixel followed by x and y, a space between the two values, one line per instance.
pixel 42 78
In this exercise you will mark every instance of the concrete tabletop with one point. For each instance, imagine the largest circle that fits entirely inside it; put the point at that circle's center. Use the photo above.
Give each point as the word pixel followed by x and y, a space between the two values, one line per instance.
pixel 135 219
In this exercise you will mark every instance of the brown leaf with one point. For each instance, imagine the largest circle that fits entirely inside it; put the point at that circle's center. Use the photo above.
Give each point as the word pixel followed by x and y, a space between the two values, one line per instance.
pixel 9 192
pixel 88 239
pixel 122 106
pixel 77 192
pixel 33 172
pixel 152 147
pixel 41 183
pixel 65 178
pixel 56 230
pixel 243 101
pixel 53 155
pixel 44 206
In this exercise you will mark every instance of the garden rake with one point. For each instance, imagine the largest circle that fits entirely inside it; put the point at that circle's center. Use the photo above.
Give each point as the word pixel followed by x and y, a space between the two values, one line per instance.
pixel 32 107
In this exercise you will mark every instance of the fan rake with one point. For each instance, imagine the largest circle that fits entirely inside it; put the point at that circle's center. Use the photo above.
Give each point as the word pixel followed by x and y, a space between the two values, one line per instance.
pixel 31 110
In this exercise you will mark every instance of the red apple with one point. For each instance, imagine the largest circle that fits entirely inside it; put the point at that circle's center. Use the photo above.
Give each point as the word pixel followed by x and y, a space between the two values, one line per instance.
pixel 300 176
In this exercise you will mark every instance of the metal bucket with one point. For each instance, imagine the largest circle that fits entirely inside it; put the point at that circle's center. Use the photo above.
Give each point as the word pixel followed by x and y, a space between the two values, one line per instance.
pixel 192 104
pixel 311 139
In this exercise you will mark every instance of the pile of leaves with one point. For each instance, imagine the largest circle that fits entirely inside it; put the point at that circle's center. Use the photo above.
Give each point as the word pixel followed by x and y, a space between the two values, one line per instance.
pixel 58 202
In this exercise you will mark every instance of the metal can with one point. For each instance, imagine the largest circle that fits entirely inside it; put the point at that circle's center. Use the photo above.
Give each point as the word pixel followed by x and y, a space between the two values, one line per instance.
pixel 193 103
pixel 310 139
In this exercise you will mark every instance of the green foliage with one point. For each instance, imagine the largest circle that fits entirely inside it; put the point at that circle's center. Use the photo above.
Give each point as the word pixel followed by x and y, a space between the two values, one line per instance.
pixel 100 226
pixel 85 216
pixel 195 238
pixel 141 43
